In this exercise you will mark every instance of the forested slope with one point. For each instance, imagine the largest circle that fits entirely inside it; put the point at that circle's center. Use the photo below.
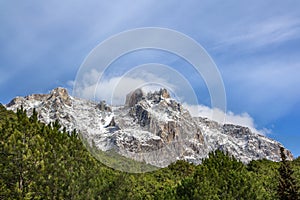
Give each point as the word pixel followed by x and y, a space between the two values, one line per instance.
pixel 38 161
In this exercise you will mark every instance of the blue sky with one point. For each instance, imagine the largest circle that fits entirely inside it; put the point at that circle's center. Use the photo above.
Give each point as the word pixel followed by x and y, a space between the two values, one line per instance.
pixel 256 46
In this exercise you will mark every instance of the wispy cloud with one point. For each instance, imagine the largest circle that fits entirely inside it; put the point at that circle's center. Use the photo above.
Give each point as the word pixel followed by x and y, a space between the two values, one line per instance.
pixel 261 33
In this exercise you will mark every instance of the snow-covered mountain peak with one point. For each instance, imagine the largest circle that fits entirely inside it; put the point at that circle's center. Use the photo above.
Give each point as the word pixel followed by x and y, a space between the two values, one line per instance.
pixel 151 127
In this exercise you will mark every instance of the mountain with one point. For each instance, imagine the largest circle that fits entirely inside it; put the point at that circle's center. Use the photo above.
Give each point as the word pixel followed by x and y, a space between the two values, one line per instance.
pixel 151 127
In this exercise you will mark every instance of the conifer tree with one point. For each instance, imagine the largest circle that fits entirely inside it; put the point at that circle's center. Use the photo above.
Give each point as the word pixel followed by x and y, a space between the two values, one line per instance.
pixel 287 188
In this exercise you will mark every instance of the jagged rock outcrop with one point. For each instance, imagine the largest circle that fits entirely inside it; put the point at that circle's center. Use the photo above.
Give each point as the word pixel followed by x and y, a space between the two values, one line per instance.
pixel 103 106
pixel 151 127
pixel 162 116
pixel 60 96
pixel 133 97
pixel 49 106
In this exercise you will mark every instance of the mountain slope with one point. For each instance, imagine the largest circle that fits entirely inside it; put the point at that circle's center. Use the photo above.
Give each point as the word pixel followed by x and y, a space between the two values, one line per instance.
pixel 150 127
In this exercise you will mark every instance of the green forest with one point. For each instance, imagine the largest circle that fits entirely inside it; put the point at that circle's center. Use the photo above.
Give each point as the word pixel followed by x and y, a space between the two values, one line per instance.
pixel 38 161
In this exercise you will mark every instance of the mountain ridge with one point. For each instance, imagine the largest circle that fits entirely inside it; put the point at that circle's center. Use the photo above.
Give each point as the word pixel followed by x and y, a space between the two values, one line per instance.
pixel 150 127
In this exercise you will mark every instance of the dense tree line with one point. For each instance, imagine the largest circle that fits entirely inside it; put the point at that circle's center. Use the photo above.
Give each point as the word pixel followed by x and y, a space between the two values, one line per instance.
pixel 39 161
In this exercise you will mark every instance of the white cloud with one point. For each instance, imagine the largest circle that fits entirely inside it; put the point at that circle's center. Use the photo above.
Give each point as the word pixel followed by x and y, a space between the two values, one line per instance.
pixel 115 89
pixel 243 119
pixel 92 84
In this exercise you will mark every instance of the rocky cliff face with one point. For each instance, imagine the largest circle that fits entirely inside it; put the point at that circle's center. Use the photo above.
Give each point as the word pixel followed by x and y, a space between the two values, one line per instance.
pixel 150 127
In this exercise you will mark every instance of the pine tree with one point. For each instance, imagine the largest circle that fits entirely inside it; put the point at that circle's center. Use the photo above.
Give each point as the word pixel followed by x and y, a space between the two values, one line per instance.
pixel 221 177
pixel 287 188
